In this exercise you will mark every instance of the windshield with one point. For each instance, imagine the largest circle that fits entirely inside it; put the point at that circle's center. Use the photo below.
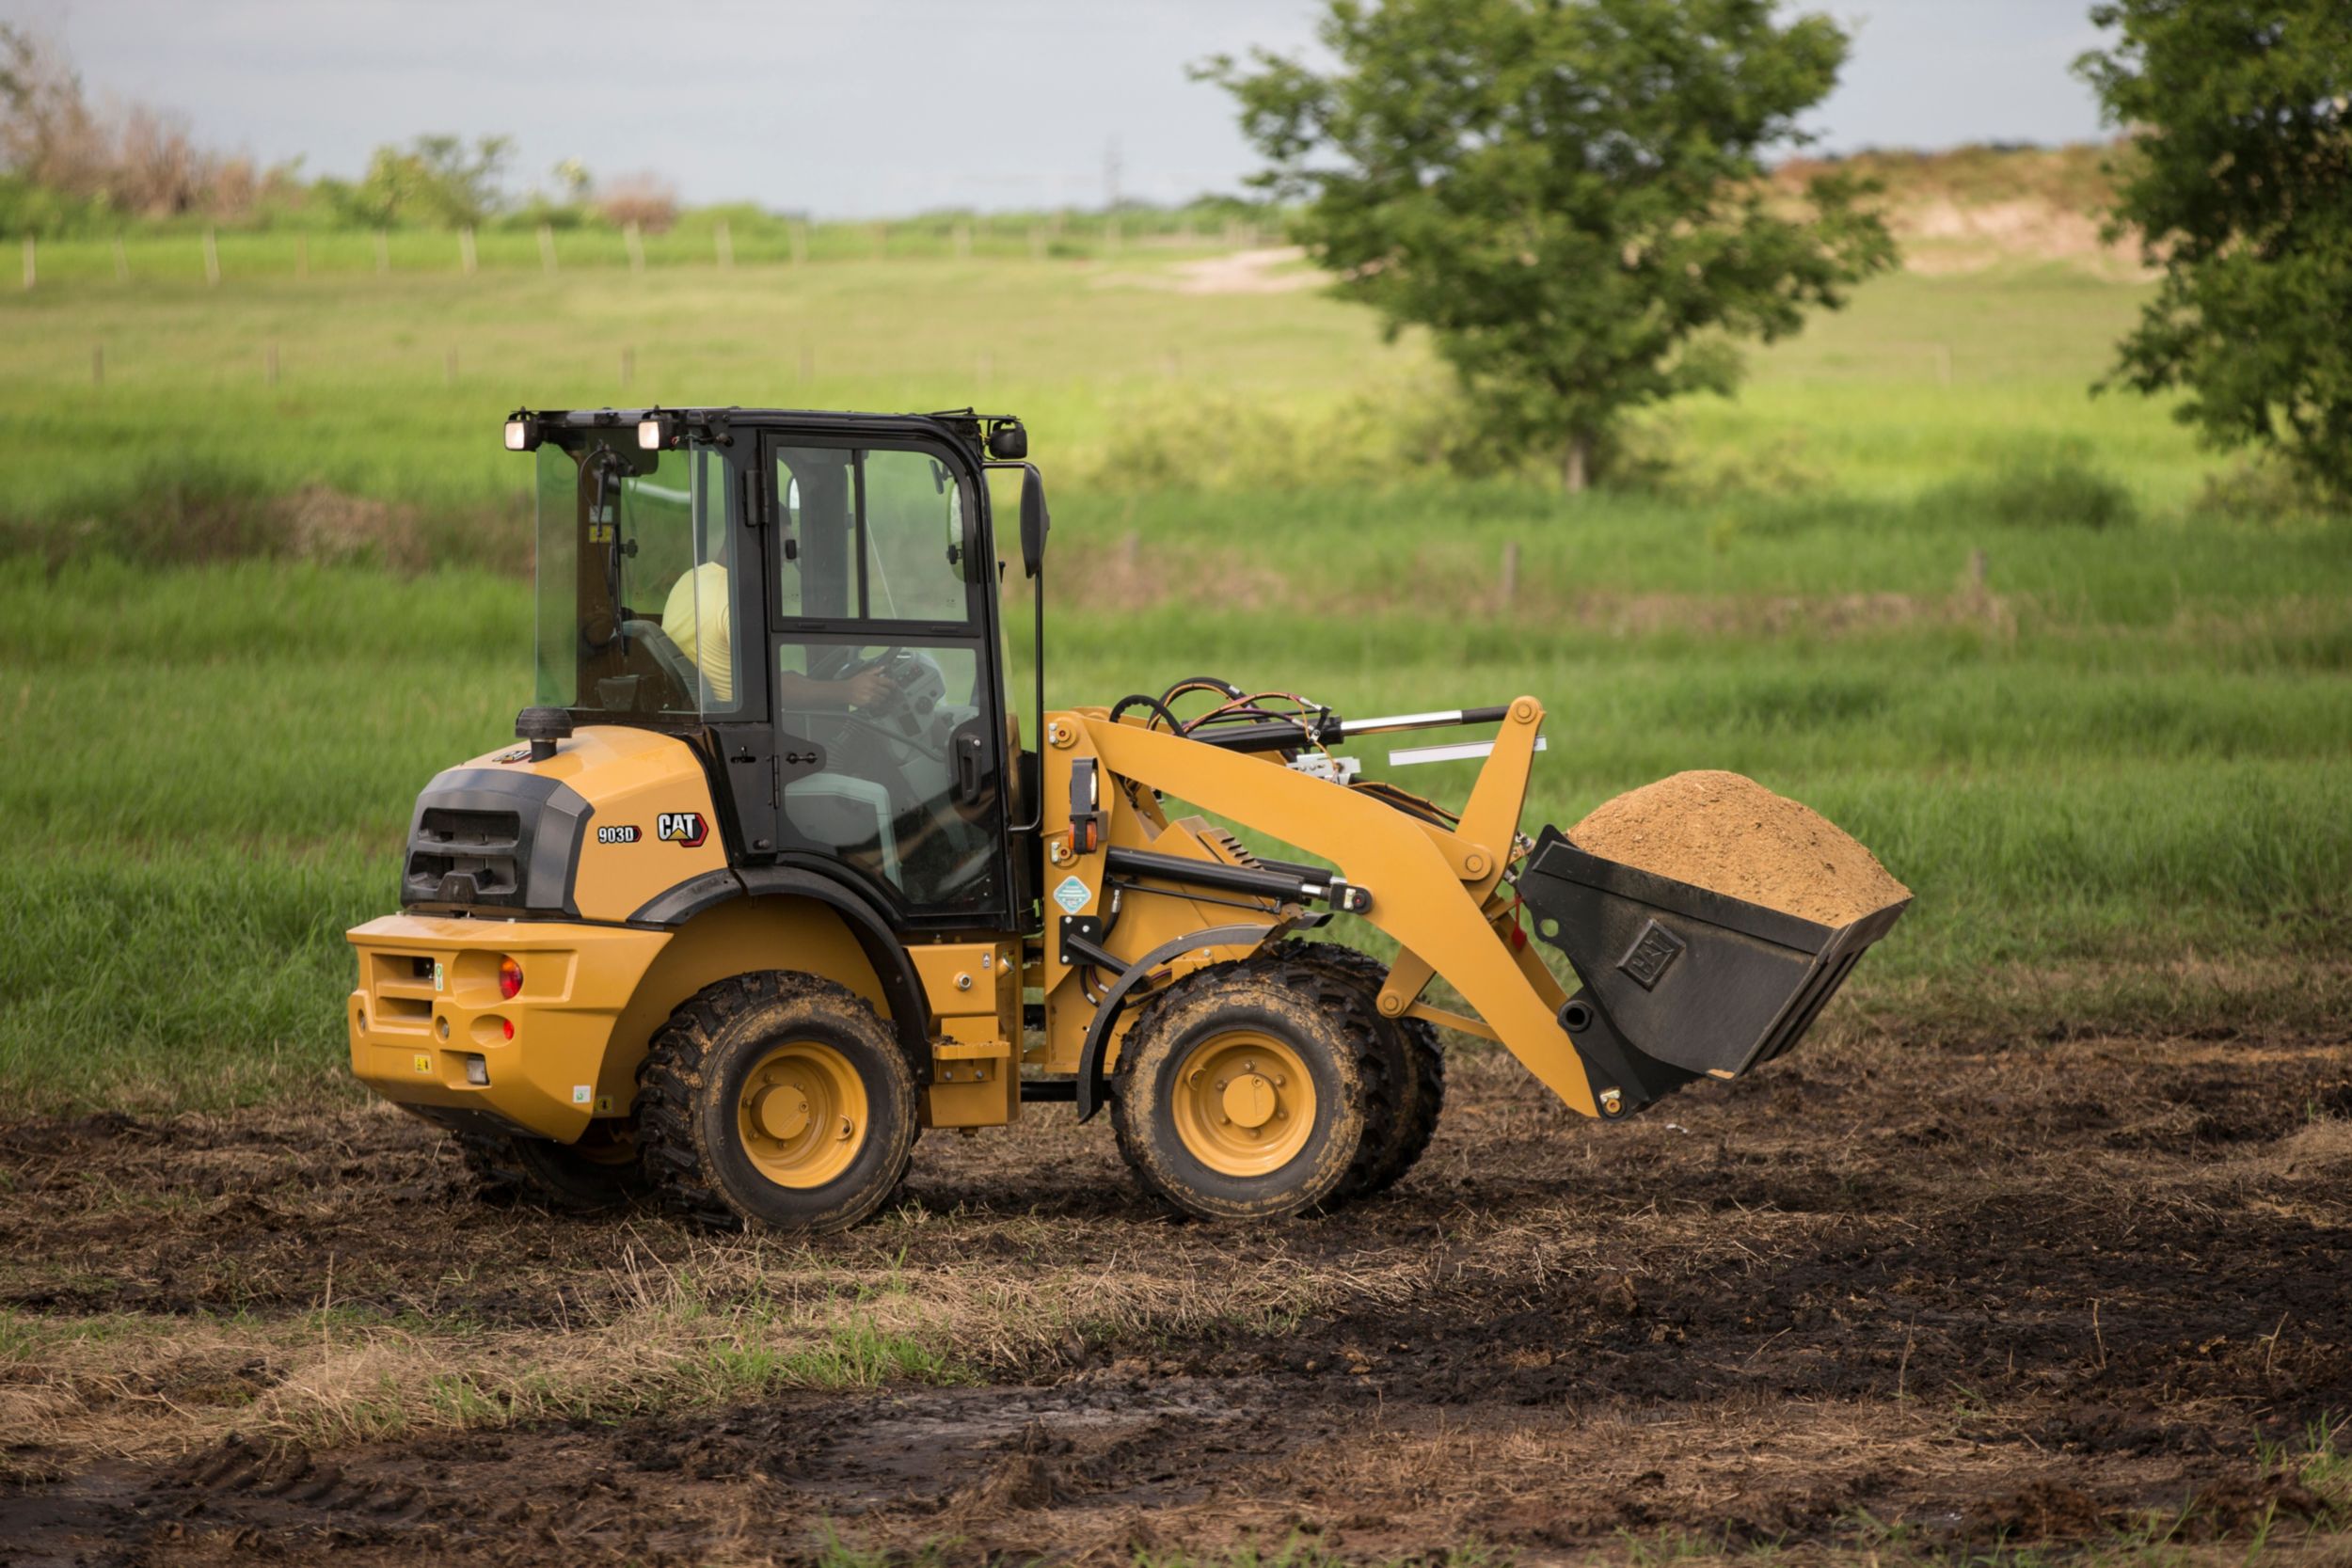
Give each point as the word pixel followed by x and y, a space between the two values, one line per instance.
pixel 634 573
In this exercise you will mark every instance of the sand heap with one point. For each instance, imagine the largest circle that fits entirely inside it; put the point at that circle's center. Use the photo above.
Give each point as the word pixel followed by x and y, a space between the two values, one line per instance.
pixel 1731 834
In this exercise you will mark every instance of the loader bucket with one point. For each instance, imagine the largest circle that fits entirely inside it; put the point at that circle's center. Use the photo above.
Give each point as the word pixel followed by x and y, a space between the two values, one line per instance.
pixel 1680 982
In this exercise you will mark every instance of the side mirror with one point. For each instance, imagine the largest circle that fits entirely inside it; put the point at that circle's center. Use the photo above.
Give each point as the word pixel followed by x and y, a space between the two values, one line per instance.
pixel 1034 521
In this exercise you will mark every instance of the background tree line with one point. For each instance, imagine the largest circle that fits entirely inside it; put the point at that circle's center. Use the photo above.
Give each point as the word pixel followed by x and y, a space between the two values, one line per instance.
pixel 68 165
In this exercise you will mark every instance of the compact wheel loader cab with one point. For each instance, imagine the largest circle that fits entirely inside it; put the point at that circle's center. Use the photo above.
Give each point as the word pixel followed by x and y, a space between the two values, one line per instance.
pixel 776 877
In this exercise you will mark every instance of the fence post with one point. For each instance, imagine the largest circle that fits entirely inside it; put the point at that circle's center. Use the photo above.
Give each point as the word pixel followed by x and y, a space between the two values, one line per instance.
pixel 32 269
pixel 383 254
pixel 302 256
pixel 269 365
pixel 723 238
pixel 636 246
pixel 628 367
pixel 464 250
pixel 1510 571
pixel 212 258
pixel 122 263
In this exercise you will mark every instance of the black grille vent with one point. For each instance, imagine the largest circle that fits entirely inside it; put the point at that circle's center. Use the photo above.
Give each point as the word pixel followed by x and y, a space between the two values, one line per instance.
pixel 493 839
pixel 464 856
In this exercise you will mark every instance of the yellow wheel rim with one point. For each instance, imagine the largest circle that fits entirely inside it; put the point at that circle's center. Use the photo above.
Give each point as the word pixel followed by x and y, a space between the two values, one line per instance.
pixel 1244 1103
pixel 802 1114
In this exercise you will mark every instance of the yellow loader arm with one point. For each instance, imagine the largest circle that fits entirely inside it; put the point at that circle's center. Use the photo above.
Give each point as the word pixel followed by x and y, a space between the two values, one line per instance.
pixel 1430 888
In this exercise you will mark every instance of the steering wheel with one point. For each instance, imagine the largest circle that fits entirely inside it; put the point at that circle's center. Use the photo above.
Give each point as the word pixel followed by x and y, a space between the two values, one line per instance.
pixel 897 664
pixel 670 658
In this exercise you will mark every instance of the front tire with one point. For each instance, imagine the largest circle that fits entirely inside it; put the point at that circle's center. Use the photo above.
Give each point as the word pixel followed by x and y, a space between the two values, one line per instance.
pixel 1242 1092
pixel 776 1099
pixel 1411 1060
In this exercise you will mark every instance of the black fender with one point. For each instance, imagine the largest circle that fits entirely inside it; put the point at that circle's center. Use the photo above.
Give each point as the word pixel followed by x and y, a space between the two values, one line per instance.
pixel 1091 1081
pixel 909 1012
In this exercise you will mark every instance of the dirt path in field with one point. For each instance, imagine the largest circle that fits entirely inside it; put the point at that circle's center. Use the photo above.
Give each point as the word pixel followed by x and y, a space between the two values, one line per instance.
pixel 2025 1291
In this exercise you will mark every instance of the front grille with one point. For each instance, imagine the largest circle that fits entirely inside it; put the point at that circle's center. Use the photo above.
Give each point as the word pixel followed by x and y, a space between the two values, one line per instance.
pixel 464 856
pixel 494 839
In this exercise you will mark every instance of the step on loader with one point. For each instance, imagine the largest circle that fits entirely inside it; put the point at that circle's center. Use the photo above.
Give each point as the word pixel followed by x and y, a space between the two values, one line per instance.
pixel 773 881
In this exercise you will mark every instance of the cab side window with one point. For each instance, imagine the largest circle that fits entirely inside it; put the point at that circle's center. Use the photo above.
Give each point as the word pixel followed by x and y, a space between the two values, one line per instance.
pixel 872 535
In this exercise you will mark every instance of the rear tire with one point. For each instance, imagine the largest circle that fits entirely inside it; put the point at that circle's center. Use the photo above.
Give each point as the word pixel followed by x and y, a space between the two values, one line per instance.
pixel 1243 1089
pixel 1411 1058
pixel 776 1099
pixel 599 1173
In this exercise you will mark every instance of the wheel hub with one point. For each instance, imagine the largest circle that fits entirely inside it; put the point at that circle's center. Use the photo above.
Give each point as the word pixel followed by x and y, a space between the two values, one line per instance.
pixel 803 1114
pixel 1249 1100
pixel 781 1111
pixel 1244 1103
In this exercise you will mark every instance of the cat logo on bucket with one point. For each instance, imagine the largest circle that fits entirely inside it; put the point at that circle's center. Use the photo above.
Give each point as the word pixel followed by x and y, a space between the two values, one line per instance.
pixel 684 829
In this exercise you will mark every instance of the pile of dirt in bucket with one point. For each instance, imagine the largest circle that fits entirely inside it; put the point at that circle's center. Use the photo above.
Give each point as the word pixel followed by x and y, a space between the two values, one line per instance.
pixel 1730 834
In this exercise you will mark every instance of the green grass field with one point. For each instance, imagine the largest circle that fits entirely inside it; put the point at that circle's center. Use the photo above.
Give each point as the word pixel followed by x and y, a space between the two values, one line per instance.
pixel 2109 759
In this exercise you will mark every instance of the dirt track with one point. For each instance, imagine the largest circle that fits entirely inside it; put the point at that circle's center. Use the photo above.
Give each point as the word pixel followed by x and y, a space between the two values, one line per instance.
pixel 2026 1292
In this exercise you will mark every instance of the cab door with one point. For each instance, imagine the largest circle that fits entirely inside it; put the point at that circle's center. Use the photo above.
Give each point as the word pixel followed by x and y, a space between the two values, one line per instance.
pixel 881 669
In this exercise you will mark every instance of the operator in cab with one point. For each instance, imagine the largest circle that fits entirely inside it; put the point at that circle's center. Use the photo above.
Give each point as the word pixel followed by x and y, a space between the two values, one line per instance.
pixel 696 620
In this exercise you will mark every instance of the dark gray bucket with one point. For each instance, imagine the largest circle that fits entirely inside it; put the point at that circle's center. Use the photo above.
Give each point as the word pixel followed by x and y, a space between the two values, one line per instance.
pixel 1680 982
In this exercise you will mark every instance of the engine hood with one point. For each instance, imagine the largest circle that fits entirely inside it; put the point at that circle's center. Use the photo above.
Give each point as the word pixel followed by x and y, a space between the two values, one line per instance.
pixel 615 819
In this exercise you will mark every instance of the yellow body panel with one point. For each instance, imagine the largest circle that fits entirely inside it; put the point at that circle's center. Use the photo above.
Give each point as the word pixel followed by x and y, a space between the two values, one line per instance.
pixel 974 987
pixel 428 997
pixel 635 779
pixel 591 997
pixel 1157 912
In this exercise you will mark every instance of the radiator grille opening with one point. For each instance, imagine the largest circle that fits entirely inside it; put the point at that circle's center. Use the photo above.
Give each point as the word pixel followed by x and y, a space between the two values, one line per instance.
pixel 464 856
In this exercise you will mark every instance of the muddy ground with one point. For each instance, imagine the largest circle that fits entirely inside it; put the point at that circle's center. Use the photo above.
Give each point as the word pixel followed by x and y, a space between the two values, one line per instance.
pixel 1881 1298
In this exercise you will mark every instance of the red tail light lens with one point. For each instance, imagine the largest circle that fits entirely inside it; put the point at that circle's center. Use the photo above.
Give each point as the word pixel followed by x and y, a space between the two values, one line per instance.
pixel 508 1024
pixel 510 978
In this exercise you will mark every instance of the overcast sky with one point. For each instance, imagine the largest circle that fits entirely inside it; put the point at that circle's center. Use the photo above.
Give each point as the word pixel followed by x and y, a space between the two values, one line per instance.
pixel 896 106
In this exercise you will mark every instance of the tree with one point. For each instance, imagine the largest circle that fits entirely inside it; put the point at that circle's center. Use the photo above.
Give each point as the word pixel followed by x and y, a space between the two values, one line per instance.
pixel 1570 195
pixel 435 181
pixel 2239 180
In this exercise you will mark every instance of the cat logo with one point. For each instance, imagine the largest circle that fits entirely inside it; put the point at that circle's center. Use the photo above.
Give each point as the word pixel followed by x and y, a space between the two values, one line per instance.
pixel 684 829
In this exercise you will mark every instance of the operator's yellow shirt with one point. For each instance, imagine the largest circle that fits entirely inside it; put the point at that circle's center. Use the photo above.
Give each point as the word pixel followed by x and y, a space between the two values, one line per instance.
pixel 696 620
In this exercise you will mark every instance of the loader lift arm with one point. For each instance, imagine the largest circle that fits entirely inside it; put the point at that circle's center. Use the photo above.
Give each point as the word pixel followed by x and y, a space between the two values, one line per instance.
pixel 1430 887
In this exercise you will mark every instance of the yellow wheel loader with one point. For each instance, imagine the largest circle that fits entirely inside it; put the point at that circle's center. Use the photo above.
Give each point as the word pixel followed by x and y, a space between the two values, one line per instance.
pixel 772 881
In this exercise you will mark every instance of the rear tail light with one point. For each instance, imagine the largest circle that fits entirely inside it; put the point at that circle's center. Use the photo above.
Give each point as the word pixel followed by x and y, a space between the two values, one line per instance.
pixel 510 978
